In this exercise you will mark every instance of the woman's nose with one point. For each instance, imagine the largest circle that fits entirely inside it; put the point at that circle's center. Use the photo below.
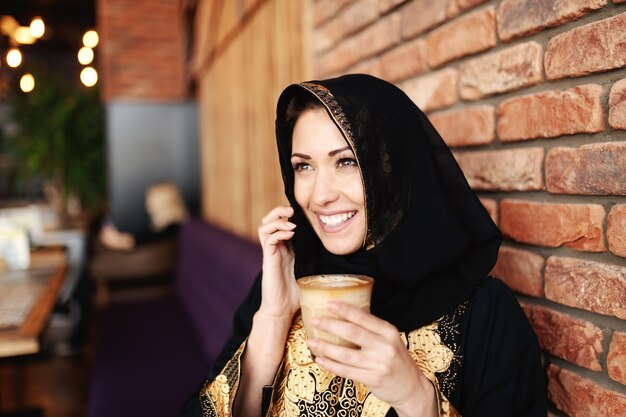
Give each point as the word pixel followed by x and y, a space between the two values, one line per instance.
pixel 324 190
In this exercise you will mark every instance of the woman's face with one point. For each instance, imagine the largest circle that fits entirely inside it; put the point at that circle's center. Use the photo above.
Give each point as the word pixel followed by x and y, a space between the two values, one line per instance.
pixel 328 184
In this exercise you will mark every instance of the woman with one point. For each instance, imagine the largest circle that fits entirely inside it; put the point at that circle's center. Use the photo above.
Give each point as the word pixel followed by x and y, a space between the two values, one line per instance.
pixel 166 209
pixel 375 191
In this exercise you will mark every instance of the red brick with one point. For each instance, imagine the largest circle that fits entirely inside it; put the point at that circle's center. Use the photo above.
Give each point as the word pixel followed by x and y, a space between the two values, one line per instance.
pixel 592 286
pixel 596 47
pixel 324 9
pixel 492 208
pixel 575 340
pixel 380 36
pixel 578 226
pixel 358 14
pixel 466 4
pixel 521 270
pixel 386 5
pixel 370 66
pixel 522 17
pixel 595 169
pixel 581 397
pixel 470 126
pixel 616 230
pixel 466 35
pixel 339 58
pixel 503 170
pixel 434 90
pixel 616 360
pixel 421 15
pixel 327 35
pixel 407 60
pixel 506 70
pixel 617 105
pixel 552 113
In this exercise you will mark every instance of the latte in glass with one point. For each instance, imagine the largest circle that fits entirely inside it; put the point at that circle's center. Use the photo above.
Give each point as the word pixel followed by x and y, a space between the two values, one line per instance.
pixel 317 290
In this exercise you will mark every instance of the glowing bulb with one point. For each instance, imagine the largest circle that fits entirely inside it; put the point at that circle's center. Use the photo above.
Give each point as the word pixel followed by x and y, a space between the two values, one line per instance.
pixel 27 83
pixel 14 57
pixel 37 27
pixel 90 39
pixel 85 55
pixel 22 35
pixel 89 76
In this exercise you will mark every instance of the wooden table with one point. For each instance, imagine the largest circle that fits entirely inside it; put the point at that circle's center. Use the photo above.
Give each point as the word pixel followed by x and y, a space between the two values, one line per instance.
pixel 45 275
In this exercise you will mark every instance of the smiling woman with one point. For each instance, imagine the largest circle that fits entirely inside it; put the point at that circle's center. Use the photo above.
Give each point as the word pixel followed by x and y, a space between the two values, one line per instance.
pixel 375 191
pixel 328 185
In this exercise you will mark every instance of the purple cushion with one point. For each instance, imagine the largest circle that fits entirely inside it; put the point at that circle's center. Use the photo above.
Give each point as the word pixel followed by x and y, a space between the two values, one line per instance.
pixel 148 360
pixel 215 272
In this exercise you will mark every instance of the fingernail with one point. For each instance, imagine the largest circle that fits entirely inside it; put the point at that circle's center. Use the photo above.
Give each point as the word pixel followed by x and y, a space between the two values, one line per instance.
pixel 291 225
pixel 315 321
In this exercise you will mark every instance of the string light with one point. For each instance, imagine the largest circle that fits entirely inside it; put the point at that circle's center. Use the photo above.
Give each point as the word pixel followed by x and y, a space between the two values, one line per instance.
pixel 89 76
pixel 91 39
pixel 14 57
pixel 85 55
pixel 27 83
pixel 22 35
pixel 37 27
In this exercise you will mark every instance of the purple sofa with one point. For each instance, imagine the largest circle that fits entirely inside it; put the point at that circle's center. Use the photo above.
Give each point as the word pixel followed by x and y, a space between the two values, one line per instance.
pixel 151 355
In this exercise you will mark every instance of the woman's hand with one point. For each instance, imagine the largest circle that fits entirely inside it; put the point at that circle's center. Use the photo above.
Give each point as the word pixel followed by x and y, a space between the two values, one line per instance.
pixel 114 239
pixel 382 364
pixel 280 297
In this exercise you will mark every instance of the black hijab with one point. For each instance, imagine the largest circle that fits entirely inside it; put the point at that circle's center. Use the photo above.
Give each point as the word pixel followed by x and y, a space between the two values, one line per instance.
pixel 429 240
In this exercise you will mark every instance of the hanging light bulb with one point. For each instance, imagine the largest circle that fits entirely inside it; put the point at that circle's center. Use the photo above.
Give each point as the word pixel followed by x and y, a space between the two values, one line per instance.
pixel 14 57
pixel 27 83
pixel 85 55
pixel 37 27
pixel 90 39
pixel 89 76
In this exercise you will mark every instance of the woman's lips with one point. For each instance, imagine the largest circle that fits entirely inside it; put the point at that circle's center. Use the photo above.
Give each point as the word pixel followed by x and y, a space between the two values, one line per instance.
pixel 335 222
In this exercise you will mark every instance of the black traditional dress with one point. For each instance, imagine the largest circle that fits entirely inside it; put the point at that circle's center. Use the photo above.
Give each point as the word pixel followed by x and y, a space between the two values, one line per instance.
pixel 430 246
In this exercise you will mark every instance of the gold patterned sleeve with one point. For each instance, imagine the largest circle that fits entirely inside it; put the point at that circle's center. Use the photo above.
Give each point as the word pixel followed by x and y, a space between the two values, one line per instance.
pixel 444 408
pixel 217 396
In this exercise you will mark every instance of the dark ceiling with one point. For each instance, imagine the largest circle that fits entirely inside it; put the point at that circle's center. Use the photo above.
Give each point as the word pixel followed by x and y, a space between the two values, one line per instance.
pixel 66 20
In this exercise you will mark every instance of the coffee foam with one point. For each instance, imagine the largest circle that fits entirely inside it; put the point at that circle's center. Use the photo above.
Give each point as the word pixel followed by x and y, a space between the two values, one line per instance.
pixel 335 281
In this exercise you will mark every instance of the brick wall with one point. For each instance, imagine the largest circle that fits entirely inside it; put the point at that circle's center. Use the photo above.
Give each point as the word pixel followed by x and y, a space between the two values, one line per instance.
pixel 143 50
pixel 531 96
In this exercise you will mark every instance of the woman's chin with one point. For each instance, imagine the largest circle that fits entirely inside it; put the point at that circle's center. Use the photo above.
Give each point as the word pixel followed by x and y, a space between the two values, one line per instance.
pixel 341 247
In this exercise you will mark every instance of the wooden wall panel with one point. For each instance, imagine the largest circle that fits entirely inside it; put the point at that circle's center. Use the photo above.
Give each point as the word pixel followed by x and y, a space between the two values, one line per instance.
pixel 246 53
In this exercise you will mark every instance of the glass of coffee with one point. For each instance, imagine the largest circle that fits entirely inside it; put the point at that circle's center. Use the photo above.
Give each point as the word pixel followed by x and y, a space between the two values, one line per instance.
pixel 317 290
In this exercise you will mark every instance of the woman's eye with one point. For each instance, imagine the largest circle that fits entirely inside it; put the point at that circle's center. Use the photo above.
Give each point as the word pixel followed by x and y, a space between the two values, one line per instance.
pixel 301 166
pixel 347 163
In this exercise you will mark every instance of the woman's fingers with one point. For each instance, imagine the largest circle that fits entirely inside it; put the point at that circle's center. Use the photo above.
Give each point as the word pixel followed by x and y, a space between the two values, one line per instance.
pixel 277 213
pixel 363 319
pixel 275 226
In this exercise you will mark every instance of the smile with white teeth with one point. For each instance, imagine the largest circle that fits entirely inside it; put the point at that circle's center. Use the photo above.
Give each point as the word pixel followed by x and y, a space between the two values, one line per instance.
pixel 336 219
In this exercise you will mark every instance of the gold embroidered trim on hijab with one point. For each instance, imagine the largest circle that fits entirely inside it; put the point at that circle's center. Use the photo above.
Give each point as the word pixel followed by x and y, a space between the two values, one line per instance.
pixel 336 112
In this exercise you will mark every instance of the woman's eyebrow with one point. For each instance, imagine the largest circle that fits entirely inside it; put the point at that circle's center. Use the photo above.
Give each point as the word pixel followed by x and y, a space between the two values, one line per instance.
pixel 301 155
pixel 336 151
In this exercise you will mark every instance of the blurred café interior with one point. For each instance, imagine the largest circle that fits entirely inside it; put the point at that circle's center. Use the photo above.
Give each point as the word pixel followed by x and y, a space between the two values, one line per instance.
pixel 137 157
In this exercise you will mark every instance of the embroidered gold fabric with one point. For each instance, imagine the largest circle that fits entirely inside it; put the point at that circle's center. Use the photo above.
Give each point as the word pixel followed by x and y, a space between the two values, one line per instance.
pixel 216 397
pixel 303 389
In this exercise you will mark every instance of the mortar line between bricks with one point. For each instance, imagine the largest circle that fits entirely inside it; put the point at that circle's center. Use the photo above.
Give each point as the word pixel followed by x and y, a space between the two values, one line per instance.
pixel 601 378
